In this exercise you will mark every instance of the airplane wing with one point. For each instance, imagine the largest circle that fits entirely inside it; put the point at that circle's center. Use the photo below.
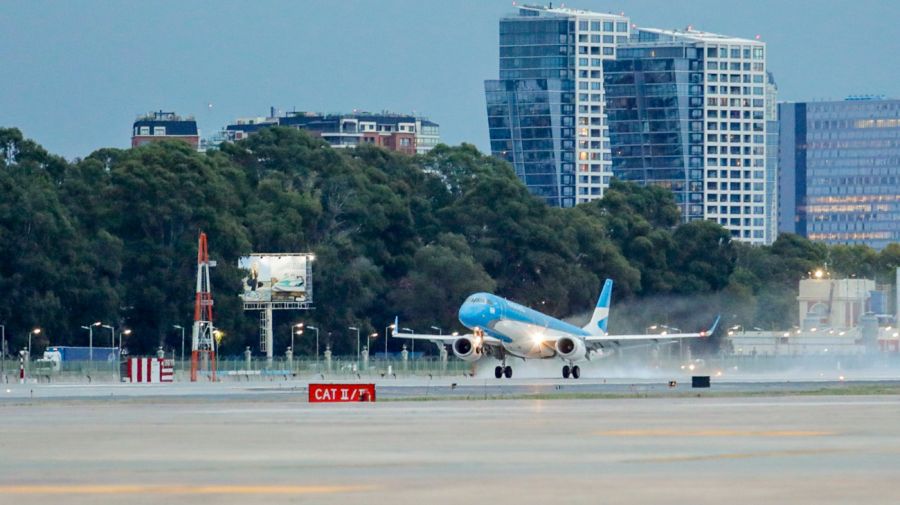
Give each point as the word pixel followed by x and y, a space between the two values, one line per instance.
pixel 654 336
pixel 446 339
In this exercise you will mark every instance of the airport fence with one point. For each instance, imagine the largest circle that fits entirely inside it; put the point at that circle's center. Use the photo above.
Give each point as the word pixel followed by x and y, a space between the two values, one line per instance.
pixel 233 368
pixel 240 369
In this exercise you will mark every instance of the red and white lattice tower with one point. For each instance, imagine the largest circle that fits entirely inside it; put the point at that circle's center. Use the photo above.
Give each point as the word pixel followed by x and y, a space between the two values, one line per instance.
pixel 203 342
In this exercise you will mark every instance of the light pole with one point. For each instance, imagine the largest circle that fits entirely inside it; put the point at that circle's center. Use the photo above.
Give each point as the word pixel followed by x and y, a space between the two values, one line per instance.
pixel 3 349
pixel 357 343
pixel 412 342
pixel 36 331
pixel 112 343
pixel 179 327
pixel 90 330
pixel 112 334
pixel 317 345
pixel 439 330
pixel 293 331
pixel 386 334
pixel 122 332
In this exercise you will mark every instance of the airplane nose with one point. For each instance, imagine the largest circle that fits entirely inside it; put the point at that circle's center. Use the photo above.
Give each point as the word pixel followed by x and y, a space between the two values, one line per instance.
pixel 468 314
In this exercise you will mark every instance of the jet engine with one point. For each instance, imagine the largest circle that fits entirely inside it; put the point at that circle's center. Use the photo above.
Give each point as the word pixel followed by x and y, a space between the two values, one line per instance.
pixel 467 348
pixel 571 348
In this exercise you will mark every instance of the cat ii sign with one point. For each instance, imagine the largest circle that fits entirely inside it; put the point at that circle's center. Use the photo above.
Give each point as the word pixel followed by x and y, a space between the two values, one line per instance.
pixel 340 393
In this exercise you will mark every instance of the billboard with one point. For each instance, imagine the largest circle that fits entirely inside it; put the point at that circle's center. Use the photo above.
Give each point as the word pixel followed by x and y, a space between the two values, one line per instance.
pixel 276 277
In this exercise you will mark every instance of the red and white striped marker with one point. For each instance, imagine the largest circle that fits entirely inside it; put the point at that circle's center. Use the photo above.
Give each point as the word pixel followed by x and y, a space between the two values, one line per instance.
pixel 151 370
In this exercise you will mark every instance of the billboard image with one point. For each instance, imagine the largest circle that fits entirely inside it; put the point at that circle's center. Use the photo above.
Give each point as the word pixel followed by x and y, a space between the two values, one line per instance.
pixel 276 277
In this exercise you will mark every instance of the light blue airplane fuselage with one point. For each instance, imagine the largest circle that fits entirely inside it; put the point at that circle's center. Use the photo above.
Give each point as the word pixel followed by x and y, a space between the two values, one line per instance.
pixel 519 329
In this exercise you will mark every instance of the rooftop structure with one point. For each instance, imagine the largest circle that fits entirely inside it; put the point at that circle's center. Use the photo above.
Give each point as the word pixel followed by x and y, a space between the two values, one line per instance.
pixel 160 125
pixel 397 132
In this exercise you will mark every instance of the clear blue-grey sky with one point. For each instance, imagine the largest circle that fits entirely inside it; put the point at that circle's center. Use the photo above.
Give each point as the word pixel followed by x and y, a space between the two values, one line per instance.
pixel 75 74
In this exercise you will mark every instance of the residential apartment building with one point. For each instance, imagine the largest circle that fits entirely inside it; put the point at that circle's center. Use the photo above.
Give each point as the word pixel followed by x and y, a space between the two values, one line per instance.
pixel 688 111
pixel 397 132
pixel 159 126
pixel 546 112
pixel 840 170
pixel 584 96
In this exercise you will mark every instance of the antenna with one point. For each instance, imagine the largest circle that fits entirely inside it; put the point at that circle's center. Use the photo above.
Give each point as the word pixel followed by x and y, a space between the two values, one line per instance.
pixel 203 343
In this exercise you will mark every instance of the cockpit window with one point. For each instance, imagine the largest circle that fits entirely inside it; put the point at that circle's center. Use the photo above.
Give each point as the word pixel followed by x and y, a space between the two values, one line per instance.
pixel 478 299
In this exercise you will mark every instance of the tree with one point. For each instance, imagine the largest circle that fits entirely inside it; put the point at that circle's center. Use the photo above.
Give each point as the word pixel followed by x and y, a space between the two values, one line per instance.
pixel 443 275
pixel 113 237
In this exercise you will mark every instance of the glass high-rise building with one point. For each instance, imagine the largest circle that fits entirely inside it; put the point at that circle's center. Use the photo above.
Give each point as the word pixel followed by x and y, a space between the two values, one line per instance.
pixel 772 132
pixel 546 112
pixel 655 108
pixel 688 110
pixel 840 170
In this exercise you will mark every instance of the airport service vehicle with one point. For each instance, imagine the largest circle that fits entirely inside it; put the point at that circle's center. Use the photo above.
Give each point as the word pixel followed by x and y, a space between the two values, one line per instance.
pixel 503 328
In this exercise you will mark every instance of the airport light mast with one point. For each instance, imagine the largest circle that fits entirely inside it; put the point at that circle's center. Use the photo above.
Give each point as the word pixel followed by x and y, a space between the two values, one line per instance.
pixel 203 345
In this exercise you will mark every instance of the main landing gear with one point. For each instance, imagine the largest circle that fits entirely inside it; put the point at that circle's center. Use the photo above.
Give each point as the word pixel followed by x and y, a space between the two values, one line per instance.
pixel 574 370
pixel 503 371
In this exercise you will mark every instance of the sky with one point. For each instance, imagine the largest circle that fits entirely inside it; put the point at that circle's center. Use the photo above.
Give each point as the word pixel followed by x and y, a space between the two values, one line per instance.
pixel 74 75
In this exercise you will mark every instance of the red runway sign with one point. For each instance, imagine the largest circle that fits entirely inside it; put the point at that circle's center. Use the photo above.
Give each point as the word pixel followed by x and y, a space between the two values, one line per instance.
pixel 320 393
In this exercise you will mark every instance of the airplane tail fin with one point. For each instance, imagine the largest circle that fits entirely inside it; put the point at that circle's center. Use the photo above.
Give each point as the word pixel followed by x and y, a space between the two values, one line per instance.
pixel 395 329
pixel 600 319
pixel 712 329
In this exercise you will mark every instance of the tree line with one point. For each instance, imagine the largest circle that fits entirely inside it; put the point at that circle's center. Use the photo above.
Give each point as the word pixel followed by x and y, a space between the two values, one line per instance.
pixel 112 237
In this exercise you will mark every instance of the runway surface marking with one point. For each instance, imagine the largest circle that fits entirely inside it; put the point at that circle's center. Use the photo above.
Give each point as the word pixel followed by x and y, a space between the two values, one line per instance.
pixel 735 455
pixel 177 489
pixel 713 433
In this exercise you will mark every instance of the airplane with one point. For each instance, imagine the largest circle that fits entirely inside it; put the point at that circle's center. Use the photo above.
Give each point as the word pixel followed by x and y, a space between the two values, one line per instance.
pixel 502 328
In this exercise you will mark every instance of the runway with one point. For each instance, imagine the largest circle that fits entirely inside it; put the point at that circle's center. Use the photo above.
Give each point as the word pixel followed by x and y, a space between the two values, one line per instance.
pixel 467 388
pixel 253 445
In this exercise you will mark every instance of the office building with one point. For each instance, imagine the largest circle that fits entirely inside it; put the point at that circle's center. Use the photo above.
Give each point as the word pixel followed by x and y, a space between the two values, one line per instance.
pixel 840 170
pixel 546 112
pixel 158 126
pixel 397 132
pixel 688 111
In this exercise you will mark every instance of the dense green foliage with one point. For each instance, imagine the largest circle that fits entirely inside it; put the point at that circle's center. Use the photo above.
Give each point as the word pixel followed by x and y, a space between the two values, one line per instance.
pixel 112 237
